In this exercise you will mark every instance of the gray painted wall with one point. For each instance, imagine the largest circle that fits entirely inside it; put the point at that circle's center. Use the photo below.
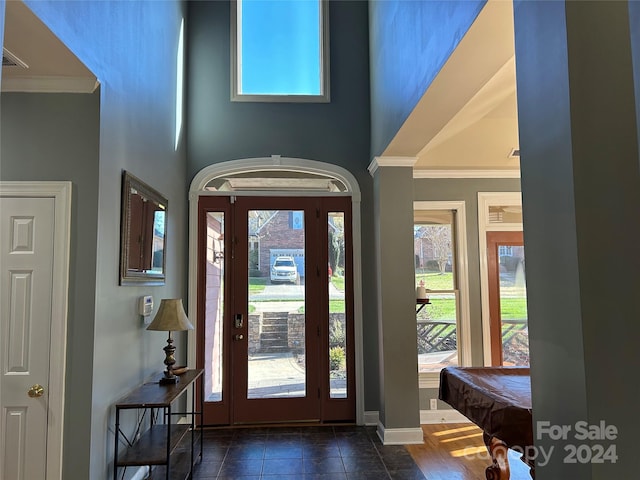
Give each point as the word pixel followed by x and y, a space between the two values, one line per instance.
pixel 410 42
pixel 581 183
pixel 465 189
pixel 2 7
pixel 135 122
pixel 336 132
pixel 396 298
pixel 133 54
pixel 56 137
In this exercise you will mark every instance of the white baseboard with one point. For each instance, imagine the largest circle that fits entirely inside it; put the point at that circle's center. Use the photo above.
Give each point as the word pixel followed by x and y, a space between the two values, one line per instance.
pixel 400 436
pixel 442 416
pixel 141 473
pixel 427 417
pixel 371 418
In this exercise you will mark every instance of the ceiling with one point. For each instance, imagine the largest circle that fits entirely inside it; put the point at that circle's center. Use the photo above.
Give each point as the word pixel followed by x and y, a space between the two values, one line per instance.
pixel 44 63
pixel 466 121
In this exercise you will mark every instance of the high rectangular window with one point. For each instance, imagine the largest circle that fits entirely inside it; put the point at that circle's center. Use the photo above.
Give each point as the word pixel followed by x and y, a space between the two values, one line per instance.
pixel 280 51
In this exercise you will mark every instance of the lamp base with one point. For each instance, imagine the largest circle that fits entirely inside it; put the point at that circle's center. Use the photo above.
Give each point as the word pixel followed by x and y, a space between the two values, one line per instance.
pixel 169 380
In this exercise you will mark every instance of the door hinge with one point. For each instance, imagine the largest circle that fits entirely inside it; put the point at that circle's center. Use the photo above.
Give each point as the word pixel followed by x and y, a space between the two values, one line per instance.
pixel 318 271
pixel 318 330
pixel 318 392
pixel 233 199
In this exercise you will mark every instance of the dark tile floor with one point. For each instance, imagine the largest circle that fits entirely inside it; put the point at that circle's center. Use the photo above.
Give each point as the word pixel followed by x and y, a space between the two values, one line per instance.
pixel 302 453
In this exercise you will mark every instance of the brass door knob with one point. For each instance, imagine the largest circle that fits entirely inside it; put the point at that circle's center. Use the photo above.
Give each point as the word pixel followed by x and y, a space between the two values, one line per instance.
pixel 238 336
pixel 36 391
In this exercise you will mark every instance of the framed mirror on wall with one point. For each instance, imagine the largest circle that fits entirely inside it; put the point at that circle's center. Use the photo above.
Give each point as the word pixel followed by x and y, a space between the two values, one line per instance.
pixel 143 231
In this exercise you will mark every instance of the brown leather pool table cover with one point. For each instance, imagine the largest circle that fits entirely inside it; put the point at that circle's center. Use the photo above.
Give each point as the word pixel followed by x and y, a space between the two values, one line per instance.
pixel 497 399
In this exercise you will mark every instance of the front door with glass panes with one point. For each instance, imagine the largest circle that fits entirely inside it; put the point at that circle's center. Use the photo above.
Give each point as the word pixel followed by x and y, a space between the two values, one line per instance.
pixel 275 310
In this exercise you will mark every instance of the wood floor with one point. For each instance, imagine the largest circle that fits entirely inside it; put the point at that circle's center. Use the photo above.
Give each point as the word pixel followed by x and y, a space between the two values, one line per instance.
pixel 457 452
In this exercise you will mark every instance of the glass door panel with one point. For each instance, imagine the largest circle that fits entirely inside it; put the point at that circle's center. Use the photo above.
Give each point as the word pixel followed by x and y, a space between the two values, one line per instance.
pixel 211 316
pixel 276 297
pixel 338 350
pixel 507 299
pixel 513 306
pixel 214 295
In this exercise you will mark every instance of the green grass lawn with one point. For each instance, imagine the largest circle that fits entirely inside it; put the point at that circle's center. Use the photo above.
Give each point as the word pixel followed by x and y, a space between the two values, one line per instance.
pixel 513 308
pixel 257 284
pixel 335 306
pixel 445 309
pixel 338 282
pixel 440 308
pixel 436 281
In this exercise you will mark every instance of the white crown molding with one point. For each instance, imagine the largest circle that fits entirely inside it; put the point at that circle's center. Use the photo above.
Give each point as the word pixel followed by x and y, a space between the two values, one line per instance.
pixel 44 84
pixel 502 173
pixel 390 162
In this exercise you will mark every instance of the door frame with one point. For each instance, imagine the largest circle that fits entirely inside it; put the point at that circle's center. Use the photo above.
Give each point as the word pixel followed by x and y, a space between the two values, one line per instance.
pixel 485 200
pixel 61 194
pixel 510 238
pixel 282 164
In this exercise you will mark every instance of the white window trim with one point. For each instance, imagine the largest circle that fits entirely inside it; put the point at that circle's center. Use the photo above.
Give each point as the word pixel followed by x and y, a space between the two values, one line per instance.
pixel 432 379
pixel 486 200
pixel 324 97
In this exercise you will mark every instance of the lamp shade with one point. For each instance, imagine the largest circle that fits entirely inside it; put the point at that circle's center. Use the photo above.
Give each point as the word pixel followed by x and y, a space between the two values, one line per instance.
pixel 170 317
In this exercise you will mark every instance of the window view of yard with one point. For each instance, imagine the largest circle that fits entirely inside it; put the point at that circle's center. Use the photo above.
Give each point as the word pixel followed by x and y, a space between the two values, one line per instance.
pixel 276 304
pixel 257 285
pixel 511 307
pixel 435 271
pixel 437 321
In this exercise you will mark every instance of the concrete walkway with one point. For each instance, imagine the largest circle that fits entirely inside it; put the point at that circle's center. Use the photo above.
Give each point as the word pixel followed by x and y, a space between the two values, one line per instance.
pixel 290 292
pixel 273 375
pixel 278 375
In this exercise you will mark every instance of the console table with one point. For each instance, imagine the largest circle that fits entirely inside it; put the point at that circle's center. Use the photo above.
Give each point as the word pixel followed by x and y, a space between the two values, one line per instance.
pixel 168 448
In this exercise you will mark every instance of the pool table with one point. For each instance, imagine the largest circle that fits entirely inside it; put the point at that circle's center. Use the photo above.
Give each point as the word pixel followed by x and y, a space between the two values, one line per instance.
pixel 498 400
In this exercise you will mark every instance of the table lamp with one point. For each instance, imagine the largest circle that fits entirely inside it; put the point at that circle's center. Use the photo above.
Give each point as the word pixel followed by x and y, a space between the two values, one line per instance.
pixel 170 318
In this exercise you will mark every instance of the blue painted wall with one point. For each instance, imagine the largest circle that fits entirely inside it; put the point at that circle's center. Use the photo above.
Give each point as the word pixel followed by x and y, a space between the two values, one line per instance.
pixel 410 42
pixel 634 25
pixel 337 132
pixel 219 130
pixel 131 47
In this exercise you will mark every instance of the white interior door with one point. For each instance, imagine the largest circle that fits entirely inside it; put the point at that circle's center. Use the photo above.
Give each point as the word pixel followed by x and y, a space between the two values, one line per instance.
pixel 30 396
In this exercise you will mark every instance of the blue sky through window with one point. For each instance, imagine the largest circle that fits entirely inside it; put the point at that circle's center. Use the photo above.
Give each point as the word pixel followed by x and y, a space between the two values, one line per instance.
pixel 281 43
